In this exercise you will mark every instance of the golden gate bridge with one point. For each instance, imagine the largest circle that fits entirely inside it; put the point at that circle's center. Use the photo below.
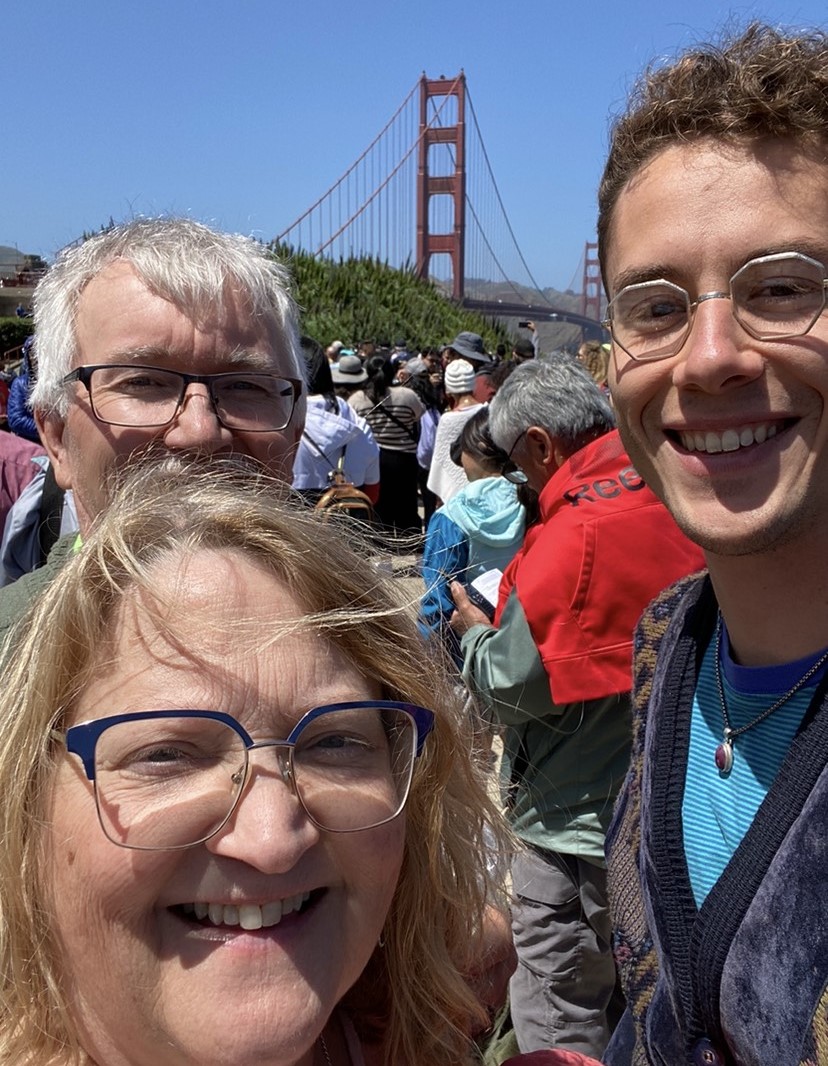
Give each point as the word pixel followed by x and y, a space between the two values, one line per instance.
pixel 423 195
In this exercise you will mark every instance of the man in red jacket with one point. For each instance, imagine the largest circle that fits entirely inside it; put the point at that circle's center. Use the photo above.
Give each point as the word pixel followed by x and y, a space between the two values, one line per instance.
pixel 555 671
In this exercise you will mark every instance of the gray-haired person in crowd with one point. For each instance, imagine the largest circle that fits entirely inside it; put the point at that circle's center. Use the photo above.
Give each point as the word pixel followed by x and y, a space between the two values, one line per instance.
pixel 160 335
pixel 554 670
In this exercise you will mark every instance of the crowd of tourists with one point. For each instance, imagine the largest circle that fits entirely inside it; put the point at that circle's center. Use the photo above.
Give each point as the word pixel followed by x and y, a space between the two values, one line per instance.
pixel 249 805
pixel 413 402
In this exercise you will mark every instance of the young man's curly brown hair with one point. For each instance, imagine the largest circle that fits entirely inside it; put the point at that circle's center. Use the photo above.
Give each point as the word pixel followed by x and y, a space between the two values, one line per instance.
pixel 762 84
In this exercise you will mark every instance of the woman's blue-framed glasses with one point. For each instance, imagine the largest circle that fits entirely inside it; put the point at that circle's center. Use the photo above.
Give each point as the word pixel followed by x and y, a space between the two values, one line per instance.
pixel 171 779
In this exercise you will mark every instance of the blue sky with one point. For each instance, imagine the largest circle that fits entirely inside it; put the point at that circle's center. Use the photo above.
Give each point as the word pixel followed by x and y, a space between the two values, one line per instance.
pixel 242 113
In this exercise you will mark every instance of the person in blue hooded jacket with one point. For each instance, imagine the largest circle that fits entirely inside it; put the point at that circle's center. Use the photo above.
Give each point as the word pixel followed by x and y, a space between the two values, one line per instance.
pixel 19 409
pixel 479 529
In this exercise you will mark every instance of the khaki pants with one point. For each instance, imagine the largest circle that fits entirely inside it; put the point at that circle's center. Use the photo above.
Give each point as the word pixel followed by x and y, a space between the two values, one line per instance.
pixel 563 993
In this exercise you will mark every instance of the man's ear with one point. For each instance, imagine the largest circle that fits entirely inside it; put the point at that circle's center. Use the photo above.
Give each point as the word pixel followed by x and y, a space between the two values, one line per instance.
pixel 542 448
pixel 52 429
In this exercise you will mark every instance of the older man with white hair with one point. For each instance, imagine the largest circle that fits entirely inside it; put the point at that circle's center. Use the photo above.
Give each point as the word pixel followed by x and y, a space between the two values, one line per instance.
pixel 555 670
pixel 160 336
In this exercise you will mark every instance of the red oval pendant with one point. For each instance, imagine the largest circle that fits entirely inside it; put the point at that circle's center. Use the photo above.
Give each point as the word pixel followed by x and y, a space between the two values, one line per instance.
pixel 724 757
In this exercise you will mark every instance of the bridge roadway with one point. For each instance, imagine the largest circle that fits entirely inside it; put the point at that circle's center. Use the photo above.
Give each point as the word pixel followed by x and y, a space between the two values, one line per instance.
pixel 538 313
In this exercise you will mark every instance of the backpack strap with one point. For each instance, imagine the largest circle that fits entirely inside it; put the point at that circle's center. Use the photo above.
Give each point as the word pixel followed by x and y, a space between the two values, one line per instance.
pixel 412 432
pixel 325 455
pixel 311 441
pixel 51 511
pixel 337 474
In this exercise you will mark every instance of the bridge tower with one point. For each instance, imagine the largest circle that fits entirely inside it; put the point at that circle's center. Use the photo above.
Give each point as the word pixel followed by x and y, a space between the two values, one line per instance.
pixel 453 185
pixel 591 286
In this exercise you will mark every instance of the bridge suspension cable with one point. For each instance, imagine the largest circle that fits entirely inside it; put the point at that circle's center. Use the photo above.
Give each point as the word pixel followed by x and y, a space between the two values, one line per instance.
pixel 487 201
pixel 330 224
pixel 373 210
pixel 502 208
pixel 351 168
pixel 377 191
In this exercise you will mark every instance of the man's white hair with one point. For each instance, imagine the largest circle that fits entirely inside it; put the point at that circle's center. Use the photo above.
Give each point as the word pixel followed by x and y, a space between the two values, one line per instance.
pixel 179 260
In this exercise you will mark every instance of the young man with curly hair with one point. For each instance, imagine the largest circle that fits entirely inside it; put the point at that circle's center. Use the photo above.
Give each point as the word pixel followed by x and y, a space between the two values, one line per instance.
pixel 714 243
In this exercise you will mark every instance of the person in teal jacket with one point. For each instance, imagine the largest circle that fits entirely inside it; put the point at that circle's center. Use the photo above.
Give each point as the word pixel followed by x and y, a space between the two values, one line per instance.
pixel 479 529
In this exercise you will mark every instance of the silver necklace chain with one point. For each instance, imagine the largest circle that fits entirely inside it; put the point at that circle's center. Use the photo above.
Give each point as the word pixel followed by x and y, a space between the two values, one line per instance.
pixel 325 1051
pixel 724 752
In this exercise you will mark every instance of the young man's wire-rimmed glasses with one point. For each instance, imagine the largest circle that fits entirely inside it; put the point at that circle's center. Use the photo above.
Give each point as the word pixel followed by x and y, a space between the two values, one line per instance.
pixel 773 297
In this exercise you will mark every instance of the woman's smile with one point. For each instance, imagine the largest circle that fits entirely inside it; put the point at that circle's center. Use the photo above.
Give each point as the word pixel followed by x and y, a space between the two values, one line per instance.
pixel 269 921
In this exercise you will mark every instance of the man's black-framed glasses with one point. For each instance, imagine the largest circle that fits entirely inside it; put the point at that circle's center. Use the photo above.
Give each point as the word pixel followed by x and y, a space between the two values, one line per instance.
pixel 166 780
pixel 151 396
pixel 773 297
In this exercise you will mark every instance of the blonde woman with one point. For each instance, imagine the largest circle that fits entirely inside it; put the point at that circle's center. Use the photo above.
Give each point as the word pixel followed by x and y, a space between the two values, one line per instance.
pixel 233 830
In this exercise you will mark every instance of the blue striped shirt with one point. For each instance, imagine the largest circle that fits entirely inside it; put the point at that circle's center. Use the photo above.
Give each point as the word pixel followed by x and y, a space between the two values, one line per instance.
pixel 718 809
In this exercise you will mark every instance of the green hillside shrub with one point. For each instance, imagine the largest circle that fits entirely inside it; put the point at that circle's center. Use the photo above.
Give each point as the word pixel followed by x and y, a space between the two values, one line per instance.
pixel 364 299
pixel 13 331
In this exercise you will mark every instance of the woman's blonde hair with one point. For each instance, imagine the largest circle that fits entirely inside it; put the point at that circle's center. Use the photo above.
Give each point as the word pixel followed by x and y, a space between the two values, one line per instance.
pixel 412 996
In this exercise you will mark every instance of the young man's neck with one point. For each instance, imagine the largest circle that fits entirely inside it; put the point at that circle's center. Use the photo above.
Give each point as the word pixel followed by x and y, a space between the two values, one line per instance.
pixel 775 605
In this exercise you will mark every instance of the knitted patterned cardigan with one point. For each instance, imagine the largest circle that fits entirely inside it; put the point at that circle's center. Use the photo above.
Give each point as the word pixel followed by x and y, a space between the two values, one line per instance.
pixel 744 979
